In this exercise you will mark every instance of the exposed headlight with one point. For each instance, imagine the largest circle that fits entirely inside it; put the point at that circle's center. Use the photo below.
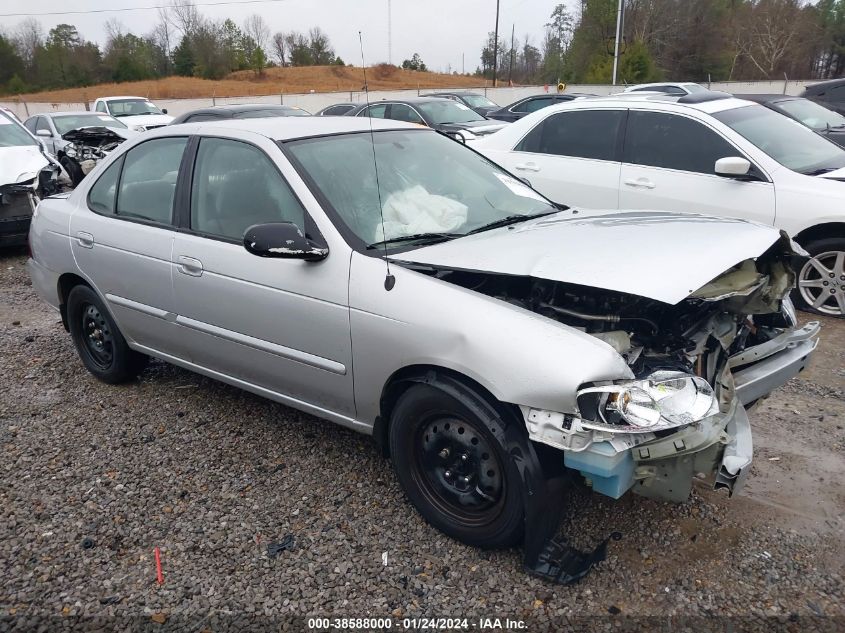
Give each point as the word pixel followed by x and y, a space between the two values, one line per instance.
pixel 70 152
pixel 139 128
pixel 662 400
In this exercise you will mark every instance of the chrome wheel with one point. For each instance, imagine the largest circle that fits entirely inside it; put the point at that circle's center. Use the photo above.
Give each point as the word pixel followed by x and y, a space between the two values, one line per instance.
pixel 821 283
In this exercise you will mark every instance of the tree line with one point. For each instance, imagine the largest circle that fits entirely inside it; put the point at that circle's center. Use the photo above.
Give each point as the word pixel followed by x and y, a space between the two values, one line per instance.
pixel 182 42
pixel 689 40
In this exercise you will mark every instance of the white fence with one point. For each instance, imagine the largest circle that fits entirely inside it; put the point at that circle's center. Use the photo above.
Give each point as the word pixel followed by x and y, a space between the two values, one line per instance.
pixel 316 101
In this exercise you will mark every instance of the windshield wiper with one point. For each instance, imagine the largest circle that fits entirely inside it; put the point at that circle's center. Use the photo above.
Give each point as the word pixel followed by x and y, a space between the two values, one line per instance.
pixel 506 221
pixel 432 237
pixel 819 172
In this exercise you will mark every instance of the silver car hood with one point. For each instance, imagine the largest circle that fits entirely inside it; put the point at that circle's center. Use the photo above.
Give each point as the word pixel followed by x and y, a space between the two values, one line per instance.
pixel 659 255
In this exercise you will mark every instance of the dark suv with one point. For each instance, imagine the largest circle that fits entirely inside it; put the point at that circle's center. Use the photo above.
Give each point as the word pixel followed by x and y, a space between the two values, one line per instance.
pixel 830 94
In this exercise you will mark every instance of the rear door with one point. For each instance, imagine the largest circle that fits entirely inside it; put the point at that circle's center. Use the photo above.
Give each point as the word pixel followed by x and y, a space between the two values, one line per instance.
pixel 571 157
pixel 122 239
pixel 668 165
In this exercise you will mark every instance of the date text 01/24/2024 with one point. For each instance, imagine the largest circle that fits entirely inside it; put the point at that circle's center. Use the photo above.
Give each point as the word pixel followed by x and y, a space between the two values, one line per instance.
pixel 445 624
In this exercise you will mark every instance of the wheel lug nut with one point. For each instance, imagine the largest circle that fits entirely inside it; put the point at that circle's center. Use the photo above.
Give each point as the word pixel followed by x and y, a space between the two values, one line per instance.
pixel 448 474
pixel 444 453
pixel 466 479
pixel 464 457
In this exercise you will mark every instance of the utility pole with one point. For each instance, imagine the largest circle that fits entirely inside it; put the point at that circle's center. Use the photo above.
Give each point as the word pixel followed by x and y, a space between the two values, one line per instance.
pixel 389 34
pixel 496 46
pixel 618 37
pixel 510 70
pixel 463 63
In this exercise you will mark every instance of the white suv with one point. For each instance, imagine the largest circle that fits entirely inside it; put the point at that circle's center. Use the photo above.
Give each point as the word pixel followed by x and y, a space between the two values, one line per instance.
pixel 707 153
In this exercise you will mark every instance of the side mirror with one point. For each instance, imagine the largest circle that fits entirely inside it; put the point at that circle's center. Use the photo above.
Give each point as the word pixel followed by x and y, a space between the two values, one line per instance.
pixel 164 110
pixel 43 133
pixel 283 240
pixel 732 167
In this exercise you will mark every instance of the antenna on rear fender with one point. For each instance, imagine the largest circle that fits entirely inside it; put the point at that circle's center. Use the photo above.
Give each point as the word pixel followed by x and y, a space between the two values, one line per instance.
pixel 389 280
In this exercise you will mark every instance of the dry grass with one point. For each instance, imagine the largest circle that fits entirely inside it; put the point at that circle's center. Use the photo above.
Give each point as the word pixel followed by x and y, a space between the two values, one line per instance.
pixel 274 81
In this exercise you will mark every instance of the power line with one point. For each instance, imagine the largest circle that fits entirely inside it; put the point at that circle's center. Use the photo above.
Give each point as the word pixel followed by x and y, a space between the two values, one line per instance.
pixel 158 6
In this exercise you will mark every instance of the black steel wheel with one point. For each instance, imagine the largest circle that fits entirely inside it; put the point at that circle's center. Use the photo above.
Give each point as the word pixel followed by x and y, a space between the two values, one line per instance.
pixel 447 450
pixel 98 341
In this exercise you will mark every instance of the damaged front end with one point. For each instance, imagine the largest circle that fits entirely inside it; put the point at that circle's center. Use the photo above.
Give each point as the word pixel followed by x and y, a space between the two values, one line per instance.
pixel 86 147
pixel 19 199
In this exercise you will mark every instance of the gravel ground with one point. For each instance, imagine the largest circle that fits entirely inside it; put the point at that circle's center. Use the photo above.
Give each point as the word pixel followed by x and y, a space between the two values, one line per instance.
pixel 94 477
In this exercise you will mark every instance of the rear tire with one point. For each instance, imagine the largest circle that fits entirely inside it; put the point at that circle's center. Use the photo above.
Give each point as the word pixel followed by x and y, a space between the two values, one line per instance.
pixel 98 341
pixel 821 281
pixel 448 455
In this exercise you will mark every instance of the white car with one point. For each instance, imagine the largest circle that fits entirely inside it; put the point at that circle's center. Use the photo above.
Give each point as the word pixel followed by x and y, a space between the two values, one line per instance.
pixel 677 89
pixel 712 153
pixel 137 113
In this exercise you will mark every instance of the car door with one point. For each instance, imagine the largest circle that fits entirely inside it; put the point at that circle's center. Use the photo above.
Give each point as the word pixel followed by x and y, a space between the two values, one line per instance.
pixel 571 157
pixel 668 165
pixel 122 236
pixel 280 325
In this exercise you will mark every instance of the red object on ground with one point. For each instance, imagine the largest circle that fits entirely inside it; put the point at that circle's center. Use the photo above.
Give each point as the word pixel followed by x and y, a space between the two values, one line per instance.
pixel 159 575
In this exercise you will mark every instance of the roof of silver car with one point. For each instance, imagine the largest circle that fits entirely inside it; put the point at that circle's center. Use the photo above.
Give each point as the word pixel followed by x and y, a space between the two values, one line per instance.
pixel 289 128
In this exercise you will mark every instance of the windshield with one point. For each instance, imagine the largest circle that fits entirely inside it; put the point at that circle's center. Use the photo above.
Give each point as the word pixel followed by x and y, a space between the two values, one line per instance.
pixel 132 107
pixel 812 114
pixel 65 124
pixel 446 111
pixel 787 141
pixel 428 184
pixel 477 101
pixel 13 135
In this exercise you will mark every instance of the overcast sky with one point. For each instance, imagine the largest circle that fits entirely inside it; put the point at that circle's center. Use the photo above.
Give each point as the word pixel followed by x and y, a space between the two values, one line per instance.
pixel 441 31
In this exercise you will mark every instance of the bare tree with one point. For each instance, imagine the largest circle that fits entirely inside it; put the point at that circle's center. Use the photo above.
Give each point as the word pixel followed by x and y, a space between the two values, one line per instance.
pixel 29 35
pixel 256 28
pixel 279 47
pixel 163 36
pixel 114 28
pixel 184 16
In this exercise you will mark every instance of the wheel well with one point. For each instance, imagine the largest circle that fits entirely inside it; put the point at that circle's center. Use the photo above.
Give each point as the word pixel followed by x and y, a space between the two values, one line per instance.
pixel 405 378
pixel 820 231
pixel 67 282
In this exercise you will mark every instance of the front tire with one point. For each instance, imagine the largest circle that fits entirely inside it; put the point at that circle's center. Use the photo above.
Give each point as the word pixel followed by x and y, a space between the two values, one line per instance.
pixel 821 281
pixel 98 341
pixel 448 454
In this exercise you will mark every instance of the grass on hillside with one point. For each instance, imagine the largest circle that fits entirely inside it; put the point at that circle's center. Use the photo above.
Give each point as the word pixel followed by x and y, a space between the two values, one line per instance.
pixel 274 81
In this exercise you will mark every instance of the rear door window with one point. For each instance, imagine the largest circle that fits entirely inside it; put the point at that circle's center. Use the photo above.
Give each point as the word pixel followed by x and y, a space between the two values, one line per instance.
pixel 532 105
pixel 589 134
pixel 148 182
pixel 671 141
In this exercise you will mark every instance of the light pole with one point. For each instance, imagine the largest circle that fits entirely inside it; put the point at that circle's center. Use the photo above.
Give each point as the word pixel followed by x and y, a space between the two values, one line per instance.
pixel 618 37
pixel 496 46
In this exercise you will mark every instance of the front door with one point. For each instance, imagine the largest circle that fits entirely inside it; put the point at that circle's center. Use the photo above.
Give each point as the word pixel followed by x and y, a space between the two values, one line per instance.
pixel 668 165
pixel 278 324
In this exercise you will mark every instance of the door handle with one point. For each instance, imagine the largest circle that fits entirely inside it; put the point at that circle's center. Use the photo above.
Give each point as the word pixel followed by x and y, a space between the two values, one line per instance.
pixel 642 183
pixel 189 266
pixel 527 167
pixel 85 240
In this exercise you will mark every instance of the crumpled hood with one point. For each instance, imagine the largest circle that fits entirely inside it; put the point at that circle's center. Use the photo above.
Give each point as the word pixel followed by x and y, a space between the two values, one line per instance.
pixel 18 164
pixel 146 119
pixel 659 255
pixel 99 133
pixel 476 127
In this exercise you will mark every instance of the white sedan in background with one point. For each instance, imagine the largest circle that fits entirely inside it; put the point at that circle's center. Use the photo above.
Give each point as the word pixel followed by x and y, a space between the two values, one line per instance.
pixel 711 152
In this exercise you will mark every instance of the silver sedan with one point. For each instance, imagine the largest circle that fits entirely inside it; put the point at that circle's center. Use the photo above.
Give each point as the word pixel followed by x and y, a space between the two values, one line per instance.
pixel 392 280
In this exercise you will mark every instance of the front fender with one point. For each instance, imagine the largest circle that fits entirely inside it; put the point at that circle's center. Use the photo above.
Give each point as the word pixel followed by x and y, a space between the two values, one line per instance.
pixel 520 357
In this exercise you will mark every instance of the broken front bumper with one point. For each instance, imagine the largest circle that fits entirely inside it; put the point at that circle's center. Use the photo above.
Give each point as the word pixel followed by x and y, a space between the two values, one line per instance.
pixel 761 369
pixel 16 208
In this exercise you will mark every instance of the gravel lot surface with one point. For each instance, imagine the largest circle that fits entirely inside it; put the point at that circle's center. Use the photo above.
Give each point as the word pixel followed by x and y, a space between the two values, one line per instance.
pixel 94 477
